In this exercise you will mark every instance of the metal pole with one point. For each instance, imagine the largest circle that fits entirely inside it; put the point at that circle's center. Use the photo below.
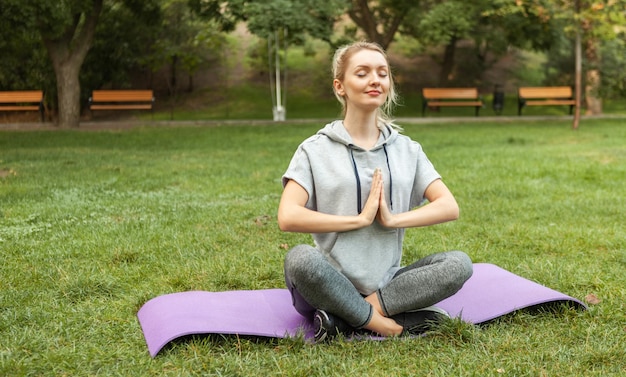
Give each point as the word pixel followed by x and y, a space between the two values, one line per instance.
pixel 578 69
pixel 279 113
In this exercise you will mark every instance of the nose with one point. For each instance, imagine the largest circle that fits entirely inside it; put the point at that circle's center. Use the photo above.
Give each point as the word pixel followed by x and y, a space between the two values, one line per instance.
pixel 375 80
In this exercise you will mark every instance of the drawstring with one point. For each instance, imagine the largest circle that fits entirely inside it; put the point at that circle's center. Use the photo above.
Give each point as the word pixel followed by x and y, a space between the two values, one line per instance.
pixel 358 179
pixel 390 178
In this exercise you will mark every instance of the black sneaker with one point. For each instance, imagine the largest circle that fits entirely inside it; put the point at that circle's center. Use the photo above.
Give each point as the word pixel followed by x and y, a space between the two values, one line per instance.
pixel 328 326
pixel 416 322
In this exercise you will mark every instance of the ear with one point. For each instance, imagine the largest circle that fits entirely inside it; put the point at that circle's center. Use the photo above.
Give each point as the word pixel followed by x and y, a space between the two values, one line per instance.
pixel 338 87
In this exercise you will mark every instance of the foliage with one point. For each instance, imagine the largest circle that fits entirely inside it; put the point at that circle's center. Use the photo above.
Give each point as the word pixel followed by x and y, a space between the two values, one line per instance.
pixel 300 18
pixel 524 24
pixel 135 38
pixel 183 40
pixel 526 72
pixel 558 69
pixel 122 42
pixel 24 63
pixel 447 20
pixel 613 62
pixel 380 20
pixel 595 22
pixel 94 224
pixel 493 27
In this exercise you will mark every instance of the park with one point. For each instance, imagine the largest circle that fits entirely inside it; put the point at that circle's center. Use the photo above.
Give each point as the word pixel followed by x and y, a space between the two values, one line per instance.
pixel 99 216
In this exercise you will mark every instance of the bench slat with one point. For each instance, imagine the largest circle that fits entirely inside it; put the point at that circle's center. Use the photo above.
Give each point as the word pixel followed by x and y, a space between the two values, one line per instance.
pixel 121 107
pixel 546 92
pixel 450 93
pixel 21 96
pixel 19 108
pixel 454 103
pixel 122 96
pixel 549 102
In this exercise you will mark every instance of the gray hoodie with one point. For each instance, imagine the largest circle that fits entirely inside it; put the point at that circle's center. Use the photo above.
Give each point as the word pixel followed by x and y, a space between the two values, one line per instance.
pixel 337 175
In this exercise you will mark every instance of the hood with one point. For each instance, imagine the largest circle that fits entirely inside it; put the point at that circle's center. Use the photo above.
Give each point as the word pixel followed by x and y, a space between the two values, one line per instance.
pixel 338 133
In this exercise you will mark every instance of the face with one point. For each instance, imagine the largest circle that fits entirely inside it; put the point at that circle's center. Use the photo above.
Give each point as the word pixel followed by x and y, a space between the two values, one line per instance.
pixel 366 81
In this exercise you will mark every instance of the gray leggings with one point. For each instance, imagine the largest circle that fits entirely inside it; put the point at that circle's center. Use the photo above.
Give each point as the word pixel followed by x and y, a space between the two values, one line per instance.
pixel 315 284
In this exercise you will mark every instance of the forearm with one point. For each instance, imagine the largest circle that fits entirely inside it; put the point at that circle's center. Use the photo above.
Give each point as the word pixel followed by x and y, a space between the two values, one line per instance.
pixel 304 220
pixel 440 211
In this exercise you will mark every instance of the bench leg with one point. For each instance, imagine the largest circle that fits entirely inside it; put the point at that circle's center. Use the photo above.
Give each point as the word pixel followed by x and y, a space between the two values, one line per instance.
pixel 424 105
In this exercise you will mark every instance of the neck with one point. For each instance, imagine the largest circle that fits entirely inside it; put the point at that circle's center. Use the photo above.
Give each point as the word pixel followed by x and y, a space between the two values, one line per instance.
pixel 362 127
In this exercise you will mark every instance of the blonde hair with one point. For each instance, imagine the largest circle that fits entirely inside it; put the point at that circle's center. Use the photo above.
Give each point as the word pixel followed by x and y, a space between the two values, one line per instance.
pixel 340 63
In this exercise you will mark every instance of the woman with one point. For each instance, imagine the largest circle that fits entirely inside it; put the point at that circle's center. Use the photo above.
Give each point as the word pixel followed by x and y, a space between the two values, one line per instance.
pixel 355 186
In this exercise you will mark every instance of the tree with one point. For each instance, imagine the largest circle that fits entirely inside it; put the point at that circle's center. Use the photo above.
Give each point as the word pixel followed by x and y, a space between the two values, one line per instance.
pixel 446 23
pixel 121 47
pixel 597 22
pixel 23 61
pixel 490 24
pixel 183 41
pixel 380 20
pixel 280 22
pixel 314 18
pixel 66 29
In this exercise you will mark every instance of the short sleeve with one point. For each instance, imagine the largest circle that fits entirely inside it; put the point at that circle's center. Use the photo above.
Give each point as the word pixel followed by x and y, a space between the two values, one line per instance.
pixel 299 170
pixel 425 174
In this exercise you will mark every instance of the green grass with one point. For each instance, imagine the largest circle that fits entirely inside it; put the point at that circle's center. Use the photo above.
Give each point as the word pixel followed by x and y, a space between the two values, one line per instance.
pixel 253 101
pixel 245 102
pixel 95 223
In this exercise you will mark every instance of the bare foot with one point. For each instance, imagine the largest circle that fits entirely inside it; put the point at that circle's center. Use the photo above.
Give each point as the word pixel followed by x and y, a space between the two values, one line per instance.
pixel 383 326
pixel 379 323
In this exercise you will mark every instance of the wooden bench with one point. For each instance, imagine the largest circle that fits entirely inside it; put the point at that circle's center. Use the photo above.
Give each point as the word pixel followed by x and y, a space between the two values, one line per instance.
pixel 121 100
pixel 451 97
pixel 545 96
pixel 30 100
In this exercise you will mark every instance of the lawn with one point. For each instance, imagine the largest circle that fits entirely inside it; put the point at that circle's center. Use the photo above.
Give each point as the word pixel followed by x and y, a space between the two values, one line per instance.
pixel 252 100
pixel 95 223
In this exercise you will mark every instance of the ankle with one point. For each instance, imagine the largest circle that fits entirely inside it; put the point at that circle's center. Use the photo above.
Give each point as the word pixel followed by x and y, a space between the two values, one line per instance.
pixel 375 302
pixel 383 326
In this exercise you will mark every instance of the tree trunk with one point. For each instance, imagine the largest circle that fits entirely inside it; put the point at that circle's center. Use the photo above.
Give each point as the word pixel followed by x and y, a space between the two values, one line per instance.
pixel 593 102
pixel 68 92
pixel 67 52
pixel 448 62
pixel 173 84
pixel 363 16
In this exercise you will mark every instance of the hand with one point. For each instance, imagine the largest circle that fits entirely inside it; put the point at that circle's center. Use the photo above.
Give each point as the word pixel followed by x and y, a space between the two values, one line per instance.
pixel 384 215
pixel 373 200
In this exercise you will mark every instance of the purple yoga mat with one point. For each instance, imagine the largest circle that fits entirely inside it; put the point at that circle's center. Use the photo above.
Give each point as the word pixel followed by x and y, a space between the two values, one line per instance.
pixel 491 292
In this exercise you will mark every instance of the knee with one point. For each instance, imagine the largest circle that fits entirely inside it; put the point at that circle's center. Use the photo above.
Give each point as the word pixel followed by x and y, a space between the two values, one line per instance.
pixel 299 260
pixel 463 264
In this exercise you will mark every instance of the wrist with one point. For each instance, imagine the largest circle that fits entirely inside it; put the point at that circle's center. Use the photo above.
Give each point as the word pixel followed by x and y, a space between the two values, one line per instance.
pixel 390 222
pixel 362 221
